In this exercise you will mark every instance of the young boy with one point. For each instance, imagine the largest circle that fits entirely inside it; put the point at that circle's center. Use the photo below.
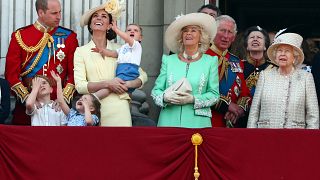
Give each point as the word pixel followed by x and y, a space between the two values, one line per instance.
pixel 46 115
pixel 129 55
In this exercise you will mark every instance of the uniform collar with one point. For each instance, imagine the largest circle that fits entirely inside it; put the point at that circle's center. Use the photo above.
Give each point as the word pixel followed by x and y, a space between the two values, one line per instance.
pixel 256 63
pixel 42 27
pixel 218 51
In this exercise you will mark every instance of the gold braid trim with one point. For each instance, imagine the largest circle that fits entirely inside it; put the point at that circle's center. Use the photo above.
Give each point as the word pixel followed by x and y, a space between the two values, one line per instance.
pixel 225 99
pixel 244 103
pixel 21 91
pixel 43 41
pixel 252 79
pixel 68 92
pixel 46 39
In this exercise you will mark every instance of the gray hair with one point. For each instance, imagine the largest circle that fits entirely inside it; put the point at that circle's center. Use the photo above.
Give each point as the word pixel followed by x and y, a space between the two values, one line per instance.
pixel 203 44
pixel 229 19
pixel 296 55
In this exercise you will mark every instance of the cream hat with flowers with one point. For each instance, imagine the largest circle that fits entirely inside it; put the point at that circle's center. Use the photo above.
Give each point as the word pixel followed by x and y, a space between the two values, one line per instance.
pixel 203 20
pixel 113 7
pixel 292 39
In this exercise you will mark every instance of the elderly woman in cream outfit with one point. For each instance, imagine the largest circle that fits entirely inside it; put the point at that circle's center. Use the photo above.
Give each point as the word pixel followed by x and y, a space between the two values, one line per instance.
pixel 94 72
pixel 285 97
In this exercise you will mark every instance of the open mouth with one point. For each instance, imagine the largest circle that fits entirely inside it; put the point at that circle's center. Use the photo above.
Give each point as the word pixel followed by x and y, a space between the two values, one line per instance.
pixel 255 44
pixel 98 24
pixel 188 38
pixel 131 35
pixel 283 59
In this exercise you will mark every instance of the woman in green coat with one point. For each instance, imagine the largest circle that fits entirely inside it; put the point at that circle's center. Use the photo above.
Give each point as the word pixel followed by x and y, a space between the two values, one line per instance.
pixel 189 37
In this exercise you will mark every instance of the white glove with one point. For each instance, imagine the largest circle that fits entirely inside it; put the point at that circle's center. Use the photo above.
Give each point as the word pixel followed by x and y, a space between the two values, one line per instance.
pixel 168 97
pixel 182 98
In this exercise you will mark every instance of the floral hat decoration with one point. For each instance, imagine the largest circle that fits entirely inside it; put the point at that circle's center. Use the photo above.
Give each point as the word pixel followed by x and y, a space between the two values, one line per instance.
pixel 113 7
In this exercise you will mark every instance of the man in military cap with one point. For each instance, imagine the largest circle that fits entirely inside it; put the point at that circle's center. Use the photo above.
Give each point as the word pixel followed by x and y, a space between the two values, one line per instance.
pixel 36 50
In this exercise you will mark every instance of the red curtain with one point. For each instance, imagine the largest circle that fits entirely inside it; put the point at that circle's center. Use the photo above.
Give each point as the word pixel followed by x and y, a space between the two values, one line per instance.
pixel 89 153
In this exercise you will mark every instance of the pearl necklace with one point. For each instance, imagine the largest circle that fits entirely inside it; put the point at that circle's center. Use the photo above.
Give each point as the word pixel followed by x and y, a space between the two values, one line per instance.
pixel 186 56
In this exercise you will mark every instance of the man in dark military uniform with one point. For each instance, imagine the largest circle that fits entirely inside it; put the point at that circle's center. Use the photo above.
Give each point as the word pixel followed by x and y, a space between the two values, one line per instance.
pixel 234 94
pixel 38 49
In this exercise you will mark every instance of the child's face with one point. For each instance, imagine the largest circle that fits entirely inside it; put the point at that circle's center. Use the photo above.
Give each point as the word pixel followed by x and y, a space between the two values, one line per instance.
pixel 85 100
pixel 45 87
pixel 134 32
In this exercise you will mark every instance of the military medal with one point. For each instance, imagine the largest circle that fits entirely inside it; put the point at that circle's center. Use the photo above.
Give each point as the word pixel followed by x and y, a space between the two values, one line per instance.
pixel 236 91
pixel 235 67
pixel 59 69
pixel 238 80
pixel 60 55
pixel 60 43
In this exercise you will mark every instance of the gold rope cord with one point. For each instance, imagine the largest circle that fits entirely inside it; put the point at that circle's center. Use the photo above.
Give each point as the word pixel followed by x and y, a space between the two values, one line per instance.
pixel 196 140
pixel 35 62
pixel 43 41
pixel 46 39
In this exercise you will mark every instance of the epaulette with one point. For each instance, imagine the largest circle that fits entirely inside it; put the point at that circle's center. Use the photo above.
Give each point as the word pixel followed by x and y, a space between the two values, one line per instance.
pixel 24 27
pixel 234 58
pixel 65 28
pixel 234 55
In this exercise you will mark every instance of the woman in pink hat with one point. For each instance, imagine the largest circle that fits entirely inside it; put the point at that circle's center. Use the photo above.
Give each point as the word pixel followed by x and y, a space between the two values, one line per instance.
pixel 285 97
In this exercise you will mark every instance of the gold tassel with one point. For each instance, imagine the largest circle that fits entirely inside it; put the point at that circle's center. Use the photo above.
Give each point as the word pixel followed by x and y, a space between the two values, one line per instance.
pixel 196 140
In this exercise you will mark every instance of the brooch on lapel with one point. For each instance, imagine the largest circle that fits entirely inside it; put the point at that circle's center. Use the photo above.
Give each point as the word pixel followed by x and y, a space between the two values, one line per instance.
pixel 60 55
pixel 59 69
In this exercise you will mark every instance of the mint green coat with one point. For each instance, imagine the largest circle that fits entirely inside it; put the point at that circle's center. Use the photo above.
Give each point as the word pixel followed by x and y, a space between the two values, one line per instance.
pixel 203 77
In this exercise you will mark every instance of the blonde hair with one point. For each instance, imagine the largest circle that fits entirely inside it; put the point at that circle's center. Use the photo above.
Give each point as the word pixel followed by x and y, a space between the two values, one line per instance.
pixel 203 43
pixel 133 24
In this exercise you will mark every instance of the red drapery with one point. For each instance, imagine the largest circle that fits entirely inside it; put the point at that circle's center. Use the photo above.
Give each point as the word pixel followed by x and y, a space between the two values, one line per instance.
pixel 45 153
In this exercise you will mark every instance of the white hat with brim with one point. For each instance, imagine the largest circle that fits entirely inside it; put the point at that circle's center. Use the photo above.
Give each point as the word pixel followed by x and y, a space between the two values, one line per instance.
pixel 112 7
pixel 203 20
pixel 291 39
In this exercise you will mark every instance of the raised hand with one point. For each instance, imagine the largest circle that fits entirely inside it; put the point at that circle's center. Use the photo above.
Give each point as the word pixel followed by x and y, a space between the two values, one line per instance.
pixel 114 26
pixel 36 83
pixel 105 52
pixel 55 76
